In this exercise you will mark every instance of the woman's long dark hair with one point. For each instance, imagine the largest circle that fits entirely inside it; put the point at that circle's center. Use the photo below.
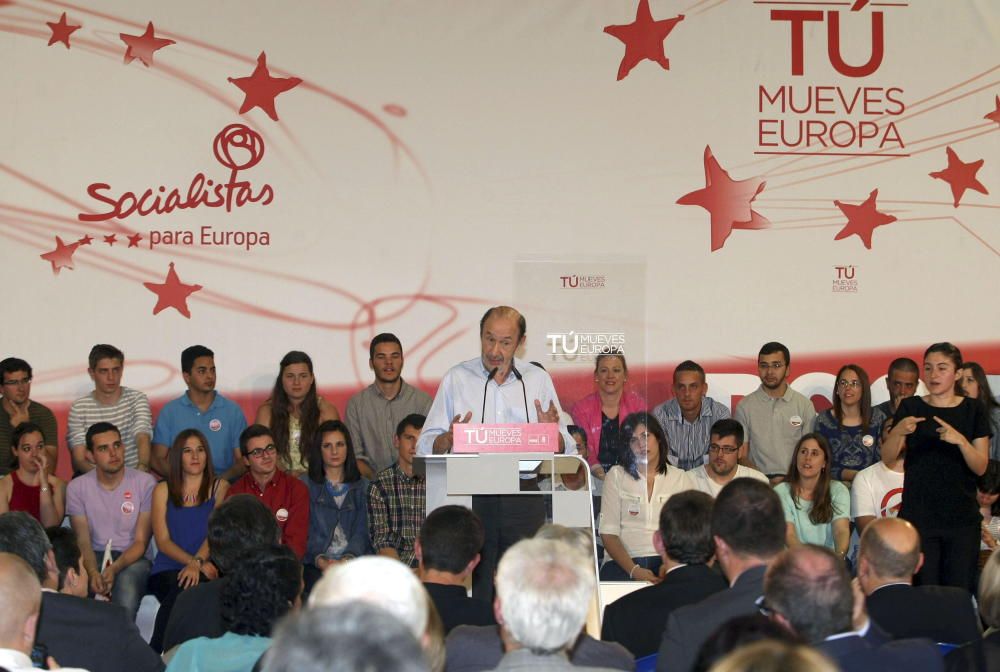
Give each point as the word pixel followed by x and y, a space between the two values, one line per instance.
pixel 308 411
pixel 822 501
pixel 985 397
pixel 866 397
pixel 652 427
pixel 261 589
pixel 317 471
pixel 175 477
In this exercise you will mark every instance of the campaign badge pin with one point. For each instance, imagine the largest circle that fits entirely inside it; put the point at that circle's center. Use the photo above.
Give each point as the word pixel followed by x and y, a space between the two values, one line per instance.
pixel 795 421
pixel 215 424
pixel 281 515
pixel 868 440
pixel 128 508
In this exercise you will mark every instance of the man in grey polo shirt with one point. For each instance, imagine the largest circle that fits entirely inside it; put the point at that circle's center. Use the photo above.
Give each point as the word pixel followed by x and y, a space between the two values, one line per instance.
pixel 774 415
pixel 373 413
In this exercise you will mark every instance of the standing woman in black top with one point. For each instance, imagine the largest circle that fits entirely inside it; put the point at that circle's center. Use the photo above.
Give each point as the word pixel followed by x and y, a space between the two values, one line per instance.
pixel 946 439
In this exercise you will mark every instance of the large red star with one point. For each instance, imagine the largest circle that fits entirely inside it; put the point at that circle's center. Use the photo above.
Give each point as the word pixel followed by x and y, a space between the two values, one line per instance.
pixel 960 176
pixel 143 46
pixel 133 240
pixel 727 200
pixel 261 88
pixel 62 256
pixel 172 293
pixel 643 39
pixel 61 31
pixel 862 219
pixel 995 114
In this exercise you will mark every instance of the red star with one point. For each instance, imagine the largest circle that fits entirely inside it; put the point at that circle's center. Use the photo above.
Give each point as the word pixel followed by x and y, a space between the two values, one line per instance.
pixel 995 114
pixel 643 39
pixel 62 256
pixel 143 46
pixel 86 240
pixel 960 176
pixel 111 239
pixel 261 88
pixel 133 240
pixel 172 293
pixel 862 219
pixel 727 200
pixel 61 31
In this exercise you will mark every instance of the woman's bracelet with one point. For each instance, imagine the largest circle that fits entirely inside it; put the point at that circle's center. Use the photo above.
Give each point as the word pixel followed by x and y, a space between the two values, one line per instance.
pixel 631 571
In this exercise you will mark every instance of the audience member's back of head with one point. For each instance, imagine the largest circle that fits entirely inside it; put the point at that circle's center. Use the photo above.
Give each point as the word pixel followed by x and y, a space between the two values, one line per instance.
pixel 24 536
pixel 450 539
pixel 20 599
pixel 748 516
pixel 543 598
pixel 263 586
pixel 989 592
pixel 685 527
pixel 576 537
pixel 738 632
pixel 772 656
pixel 351 637
pixel 891 548
pixel 381 581
pixel 66 551
pixel 240 523
pixel 809 588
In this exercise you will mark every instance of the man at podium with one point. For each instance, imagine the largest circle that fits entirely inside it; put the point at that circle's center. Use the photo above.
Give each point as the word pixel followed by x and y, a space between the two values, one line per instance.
pixel 496 388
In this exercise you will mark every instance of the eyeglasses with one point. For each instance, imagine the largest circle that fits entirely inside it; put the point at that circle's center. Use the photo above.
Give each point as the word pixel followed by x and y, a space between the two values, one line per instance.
pixel 639 439
pixel 258 453
pixel 765 608
pixel 20 382
pixel 728 450
pixel 844 384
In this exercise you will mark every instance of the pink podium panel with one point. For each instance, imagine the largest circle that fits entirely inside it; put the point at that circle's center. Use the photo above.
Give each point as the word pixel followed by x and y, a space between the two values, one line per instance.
pixel 534 437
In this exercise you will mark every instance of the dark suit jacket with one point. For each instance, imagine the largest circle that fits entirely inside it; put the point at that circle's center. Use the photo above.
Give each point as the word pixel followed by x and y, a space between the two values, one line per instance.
pixel 939 613
pixel 637 620
pixel 196 613
pixel 97 636
pixel 473 648
pixel 689 627
pixel 457 608
pixel 857 655
pixel 984 655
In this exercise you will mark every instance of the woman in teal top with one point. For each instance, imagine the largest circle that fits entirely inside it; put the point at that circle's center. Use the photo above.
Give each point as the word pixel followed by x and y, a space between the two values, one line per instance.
pixel 817 509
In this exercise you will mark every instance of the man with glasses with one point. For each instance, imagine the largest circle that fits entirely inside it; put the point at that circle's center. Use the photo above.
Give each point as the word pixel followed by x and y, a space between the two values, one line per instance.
pixel 16 407
pixel 774 415
pixel 287 497
pixel 725 448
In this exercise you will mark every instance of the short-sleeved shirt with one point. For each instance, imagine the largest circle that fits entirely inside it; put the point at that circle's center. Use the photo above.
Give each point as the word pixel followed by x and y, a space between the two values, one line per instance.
pixel 798 515
pixel 689 441
pixel 221 424
pixel 38 414
pixel 877 491
pixel 372 420
pixel 852 447
pixel 939 490
pixel 111 514
pixel 627 513
pixel 774 426
pixel 130 414
pixel 702 481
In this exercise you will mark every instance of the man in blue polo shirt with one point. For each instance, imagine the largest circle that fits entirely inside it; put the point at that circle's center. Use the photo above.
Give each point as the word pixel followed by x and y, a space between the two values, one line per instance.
pixel 202 408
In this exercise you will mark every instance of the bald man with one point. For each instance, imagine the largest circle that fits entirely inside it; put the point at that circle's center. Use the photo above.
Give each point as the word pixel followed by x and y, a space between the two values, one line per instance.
pixel 888 558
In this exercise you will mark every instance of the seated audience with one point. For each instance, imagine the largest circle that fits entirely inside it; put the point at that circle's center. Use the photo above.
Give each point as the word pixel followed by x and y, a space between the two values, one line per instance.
pixel 988 496
pixel 97 636
pixel 240 524
pixel 852 427
pixel 110 402
pixel 877 492
pixel 725 449
pixel 220 420
pixel 181 507
pixel 634 493
pixel 265 585
pixel 338 504
pixel 396 498
pixel 110 509
pixel 353 637
pixel 738 632
pixel 687 419
pixel 284 494
pixel 901 380
pixel 30 486
pixel 684 542
pixel 69 563
pixel 447 552
pixel 984 654
pixel 16 406
pixel 888 558
pixel 294 411
pixel 976 385
pixel 775 655
pixel 807 589
pixel 816 507
pixel 748 528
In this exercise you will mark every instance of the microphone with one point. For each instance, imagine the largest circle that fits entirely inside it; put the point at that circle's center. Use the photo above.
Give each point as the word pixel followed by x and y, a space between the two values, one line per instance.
pixel 524 391
pixel 486 387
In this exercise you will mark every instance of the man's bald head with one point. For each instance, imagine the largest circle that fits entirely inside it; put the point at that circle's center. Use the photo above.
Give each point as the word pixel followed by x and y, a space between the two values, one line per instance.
pixel 890 547
pixel 21 597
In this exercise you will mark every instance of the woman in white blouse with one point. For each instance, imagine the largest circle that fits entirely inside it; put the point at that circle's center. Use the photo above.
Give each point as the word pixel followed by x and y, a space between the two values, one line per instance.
pixel 634 493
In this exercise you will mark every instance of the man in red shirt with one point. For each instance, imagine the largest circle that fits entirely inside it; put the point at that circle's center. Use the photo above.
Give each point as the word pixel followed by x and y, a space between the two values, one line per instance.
pixel 287 497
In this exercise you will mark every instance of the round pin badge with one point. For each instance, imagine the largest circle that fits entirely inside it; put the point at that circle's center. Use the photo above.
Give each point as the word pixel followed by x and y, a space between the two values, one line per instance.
pixel 281 515
pixel 215 424
pixel 795 421
pixel 128 508
pixel 633 509
pixel 867 440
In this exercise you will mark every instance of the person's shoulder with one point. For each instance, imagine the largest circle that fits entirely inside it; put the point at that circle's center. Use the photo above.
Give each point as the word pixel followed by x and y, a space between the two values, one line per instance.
pixel 133 395
pixel 718 409
pixel 140 478
pixel 839 489
pixel 40 409
pixel 83 482
pixel 743 471
pixel 783 489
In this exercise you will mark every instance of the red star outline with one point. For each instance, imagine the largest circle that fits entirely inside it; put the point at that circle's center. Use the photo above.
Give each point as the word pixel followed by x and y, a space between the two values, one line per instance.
pixel 86 240
pixel 143 46
pixel 133 240
pixel 960 176
pixel 111 239
pixel 862 219
pixel 643 39
pixel 61 257
pixel 727 200
pixel 61 31
pixel 995 114
pixel 172 293
pixel 260 89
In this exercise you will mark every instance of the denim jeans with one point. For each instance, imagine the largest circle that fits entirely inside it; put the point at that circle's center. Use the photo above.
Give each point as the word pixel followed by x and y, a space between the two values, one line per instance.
pixel 130 583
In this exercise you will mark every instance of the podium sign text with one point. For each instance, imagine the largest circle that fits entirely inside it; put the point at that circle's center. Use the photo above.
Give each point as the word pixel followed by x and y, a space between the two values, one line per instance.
pixel 533 437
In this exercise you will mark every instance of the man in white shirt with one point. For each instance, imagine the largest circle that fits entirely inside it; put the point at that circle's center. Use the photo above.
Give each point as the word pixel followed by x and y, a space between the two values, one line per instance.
pixel 877 492
pixel 724 452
